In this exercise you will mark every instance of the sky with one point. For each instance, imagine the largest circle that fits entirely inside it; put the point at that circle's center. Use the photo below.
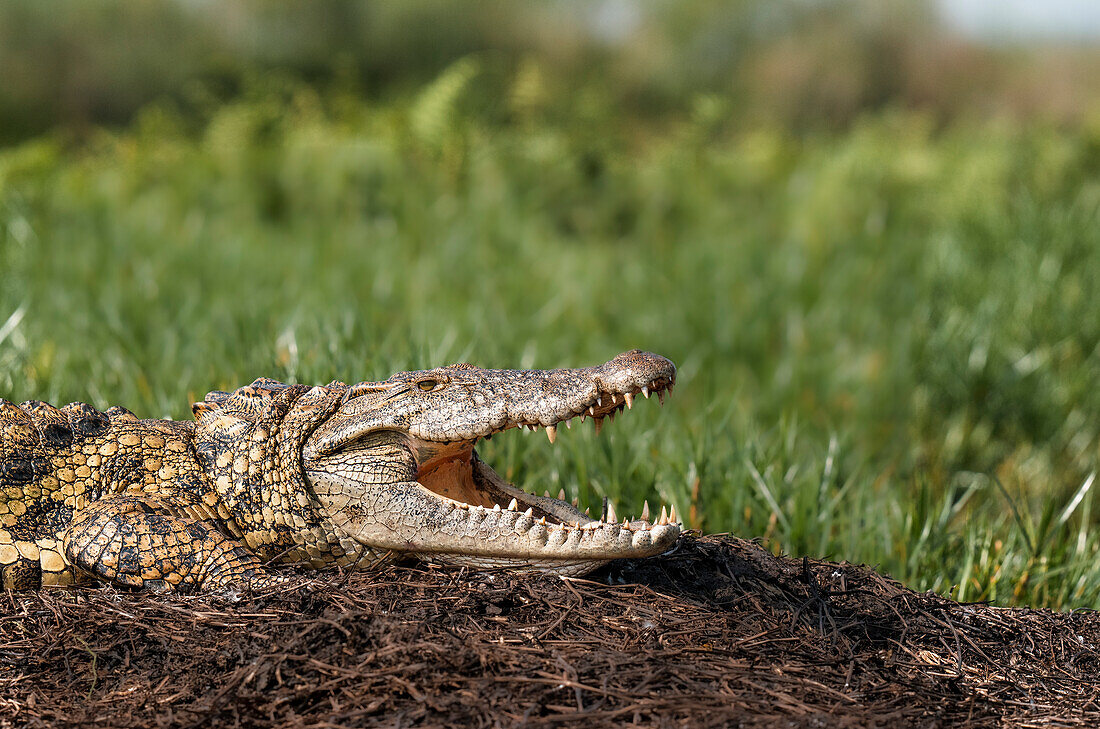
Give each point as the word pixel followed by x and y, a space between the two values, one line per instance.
pixel 1024 20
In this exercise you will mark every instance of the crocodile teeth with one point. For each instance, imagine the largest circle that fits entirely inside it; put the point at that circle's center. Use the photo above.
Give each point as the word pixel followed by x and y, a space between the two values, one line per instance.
pixel 513 505
pixel 664 516
pixel 530 512
pixel 599 399
pixel 645 511
pixel 672 513
pixel 551 433
pixel 599 424
pixel 611 518
pixel 592 410
pixel 661 397
pixel 629 397
pixel 561 495
pixel 496 507
pixel 569 424
pixel 645 391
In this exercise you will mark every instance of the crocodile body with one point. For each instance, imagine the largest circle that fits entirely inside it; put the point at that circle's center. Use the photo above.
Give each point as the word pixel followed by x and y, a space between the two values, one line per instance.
pixel 332 476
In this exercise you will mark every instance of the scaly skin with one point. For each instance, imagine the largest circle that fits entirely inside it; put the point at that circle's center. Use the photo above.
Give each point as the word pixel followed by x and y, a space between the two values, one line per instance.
pixel 325 476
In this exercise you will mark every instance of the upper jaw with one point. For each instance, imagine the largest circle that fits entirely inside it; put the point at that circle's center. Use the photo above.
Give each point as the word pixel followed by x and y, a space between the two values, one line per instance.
pixel 548 398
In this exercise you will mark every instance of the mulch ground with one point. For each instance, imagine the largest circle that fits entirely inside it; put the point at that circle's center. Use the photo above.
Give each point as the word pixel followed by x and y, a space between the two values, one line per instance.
pixel 719 633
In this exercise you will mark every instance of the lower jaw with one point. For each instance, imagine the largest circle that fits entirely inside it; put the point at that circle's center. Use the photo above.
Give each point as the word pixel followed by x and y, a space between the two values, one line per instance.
pixel 562 536
pixel 467 479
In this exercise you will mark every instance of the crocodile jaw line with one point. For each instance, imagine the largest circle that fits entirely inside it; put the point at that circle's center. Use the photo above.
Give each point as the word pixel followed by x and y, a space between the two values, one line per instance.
pixel 456 509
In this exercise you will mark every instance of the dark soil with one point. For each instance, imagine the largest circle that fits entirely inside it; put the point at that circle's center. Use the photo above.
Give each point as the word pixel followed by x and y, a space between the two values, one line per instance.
pixel 720 633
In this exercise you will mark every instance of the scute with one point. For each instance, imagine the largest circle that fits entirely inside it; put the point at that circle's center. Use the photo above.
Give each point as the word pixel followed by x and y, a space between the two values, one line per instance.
pixel 245 403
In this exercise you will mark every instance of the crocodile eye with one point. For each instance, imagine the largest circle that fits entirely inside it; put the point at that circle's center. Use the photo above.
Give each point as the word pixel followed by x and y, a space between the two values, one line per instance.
pixel 427 385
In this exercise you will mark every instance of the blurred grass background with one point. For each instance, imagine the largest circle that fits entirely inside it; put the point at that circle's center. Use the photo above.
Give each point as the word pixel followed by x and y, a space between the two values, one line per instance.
pixel 869 243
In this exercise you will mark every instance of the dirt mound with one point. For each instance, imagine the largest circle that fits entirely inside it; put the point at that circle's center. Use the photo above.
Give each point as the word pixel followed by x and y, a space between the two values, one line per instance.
pixel 719 633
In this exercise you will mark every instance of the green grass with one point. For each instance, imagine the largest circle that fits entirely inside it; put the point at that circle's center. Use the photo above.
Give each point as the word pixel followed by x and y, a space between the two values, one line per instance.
pixel 887 340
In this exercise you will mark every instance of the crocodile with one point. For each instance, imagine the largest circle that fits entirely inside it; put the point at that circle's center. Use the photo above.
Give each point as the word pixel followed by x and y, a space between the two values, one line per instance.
pixel 327 476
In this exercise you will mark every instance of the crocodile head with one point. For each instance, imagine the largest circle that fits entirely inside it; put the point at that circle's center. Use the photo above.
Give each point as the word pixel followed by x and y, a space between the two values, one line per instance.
pixel 395 466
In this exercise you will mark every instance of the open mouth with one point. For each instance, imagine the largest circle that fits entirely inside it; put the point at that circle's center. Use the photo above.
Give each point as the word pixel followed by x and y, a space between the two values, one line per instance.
pixel 396 466
pixel 454 472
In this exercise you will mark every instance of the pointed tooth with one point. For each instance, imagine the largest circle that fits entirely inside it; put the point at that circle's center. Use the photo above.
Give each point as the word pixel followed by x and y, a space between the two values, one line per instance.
pixel 611 517
pixel 599 399
pixel 532 427
pixel 576 500
pixel 569 424
pixel 645 511
pixel 551 433
pixel 542 521
pixel 611 416
pixel 599 424
pixel 512 505
pixel 546 494
pixel 645 391
pixel 661 396
pixel 561 495
pixel 586 512
pixel 670 386
pixel 629 397
pixel 496 507
pixel 592 410
pixel 576 525
pixel 672 513
pixel 530 513
pixel 664 516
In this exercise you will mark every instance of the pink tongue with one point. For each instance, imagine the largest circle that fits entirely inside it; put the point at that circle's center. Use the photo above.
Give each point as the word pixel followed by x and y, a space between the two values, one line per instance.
pixel 452 478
